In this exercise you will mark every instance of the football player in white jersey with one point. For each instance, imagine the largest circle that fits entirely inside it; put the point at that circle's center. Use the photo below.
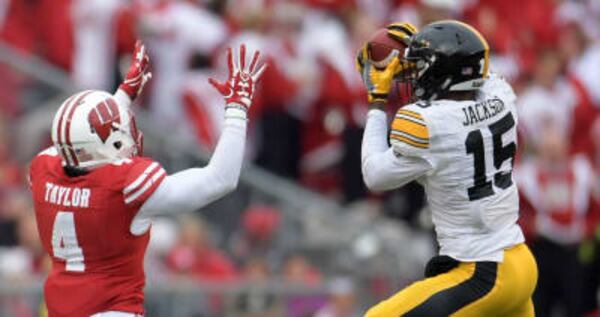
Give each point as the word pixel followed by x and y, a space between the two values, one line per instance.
pixel 459 141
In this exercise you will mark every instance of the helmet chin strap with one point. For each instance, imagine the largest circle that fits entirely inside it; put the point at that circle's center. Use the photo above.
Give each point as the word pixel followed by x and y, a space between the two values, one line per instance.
pixel 139 144
pixel 90 165
pixel 446 82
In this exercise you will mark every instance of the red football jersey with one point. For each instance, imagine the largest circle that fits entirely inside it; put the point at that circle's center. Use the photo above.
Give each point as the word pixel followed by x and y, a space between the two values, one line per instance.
pixel 84 224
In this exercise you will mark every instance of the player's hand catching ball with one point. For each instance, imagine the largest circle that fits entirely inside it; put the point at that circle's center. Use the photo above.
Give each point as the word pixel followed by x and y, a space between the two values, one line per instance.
pixel 378 81
pixel 138 73
pixel 383 53
pixel 239 88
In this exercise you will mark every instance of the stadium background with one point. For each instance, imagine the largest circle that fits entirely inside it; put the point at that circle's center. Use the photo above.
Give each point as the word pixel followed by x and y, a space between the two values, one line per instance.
pixel 300 236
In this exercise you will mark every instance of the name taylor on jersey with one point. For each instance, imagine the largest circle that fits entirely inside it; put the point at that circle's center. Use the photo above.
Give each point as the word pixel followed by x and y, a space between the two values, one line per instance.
pixel 67 196
pixel 482 111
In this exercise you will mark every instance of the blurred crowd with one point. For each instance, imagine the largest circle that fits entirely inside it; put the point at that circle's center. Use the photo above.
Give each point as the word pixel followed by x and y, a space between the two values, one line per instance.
pixel 306 124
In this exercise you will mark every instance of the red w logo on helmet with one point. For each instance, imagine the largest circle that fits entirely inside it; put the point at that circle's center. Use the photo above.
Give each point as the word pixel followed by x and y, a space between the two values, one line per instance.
pixel 105 118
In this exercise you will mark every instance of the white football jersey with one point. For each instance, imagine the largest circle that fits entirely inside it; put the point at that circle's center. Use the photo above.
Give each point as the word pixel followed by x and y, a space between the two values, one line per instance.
pixel 470 146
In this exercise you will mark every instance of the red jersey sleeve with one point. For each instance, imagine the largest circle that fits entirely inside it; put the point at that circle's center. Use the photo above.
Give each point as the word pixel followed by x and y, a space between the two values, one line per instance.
pixel 47 156
pixel 143 178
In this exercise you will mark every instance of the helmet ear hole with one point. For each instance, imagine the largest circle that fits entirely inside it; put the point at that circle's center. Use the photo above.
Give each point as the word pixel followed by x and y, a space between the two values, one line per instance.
pixel 118 145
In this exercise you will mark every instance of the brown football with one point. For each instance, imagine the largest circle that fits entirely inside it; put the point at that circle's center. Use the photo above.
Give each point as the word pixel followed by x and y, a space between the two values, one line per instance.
pixel 381 45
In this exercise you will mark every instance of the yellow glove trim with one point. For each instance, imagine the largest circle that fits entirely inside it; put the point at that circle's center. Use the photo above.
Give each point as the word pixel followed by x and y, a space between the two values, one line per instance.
pixel 402 31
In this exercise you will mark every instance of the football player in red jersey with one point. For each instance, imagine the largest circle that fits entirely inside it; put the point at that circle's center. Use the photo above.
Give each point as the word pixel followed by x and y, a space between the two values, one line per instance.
pixel 95 194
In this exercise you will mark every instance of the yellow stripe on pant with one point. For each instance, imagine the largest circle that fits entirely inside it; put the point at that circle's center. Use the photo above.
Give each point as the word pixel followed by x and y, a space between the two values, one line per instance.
pixel 471 289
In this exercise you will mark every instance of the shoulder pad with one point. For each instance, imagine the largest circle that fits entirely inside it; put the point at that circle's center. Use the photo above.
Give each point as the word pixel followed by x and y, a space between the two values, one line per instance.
pixel 142 178
pixel 496 86
pixel 51 151
pixel 409 133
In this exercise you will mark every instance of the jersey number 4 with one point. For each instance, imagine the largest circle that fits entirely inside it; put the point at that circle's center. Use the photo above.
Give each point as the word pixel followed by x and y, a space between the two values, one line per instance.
pixel 481 186
pixel 64 242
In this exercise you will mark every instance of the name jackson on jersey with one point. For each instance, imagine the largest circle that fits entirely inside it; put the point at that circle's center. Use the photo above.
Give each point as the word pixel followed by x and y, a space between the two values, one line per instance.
pixel 482 111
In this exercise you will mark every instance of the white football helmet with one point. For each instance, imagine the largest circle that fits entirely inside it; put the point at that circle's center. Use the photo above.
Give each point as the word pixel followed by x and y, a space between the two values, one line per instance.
pixel 91 129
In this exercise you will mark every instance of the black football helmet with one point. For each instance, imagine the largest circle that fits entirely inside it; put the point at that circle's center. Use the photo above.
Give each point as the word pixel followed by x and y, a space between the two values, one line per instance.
pixel 447 56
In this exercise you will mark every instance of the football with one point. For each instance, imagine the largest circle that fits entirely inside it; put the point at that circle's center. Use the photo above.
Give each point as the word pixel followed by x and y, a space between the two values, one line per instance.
pixel 381 46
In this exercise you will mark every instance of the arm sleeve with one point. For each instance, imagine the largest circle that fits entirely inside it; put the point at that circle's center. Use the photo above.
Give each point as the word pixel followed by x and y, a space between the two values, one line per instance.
pixel 122 98
pixel 194 188
pixel 384 168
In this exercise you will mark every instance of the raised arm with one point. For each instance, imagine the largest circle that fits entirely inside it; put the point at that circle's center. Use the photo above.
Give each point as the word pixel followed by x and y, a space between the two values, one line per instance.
pixel 137 76
pixel 194 188
pixel 383 167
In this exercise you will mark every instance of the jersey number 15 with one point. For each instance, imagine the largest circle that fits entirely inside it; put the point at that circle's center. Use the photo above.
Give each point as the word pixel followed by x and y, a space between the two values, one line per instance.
pixel 481 186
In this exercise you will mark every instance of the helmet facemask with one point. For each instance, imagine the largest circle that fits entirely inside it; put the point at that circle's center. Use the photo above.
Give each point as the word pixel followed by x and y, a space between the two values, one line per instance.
pixel 405 82
pixel 406 79
pixel 428 82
